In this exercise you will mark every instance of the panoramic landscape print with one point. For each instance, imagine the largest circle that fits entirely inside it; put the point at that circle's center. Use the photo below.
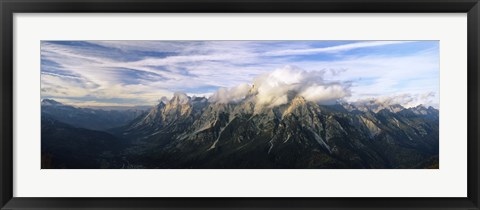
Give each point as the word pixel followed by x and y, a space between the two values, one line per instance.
pixel 240 104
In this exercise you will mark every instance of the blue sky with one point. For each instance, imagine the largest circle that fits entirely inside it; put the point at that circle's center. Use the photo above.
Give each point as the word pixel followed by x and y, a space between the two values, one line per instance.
pixel 126 73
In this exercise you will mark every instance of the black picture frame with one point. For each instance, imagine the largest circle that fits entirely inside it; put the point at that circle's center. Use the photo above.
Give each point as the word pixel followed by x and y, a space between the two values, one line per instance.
pixel 9 7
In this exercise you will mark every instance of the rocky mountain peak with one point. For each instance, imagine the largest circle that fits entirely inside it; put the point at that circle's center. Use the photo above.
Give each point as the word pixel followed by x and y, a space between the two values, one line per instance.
pixel 50 102
pixel 373 106
pixel 298 100
pixel 298 106
pixel 179 98
pixel 421 110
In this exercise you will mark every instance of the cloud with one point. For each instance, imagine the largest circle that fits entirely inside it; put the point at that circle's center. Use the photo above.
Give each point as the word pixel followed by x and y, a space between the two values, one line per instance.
pixel 405 99
pixel 278 86
pixel 145 46
pixel 231 95
pixel 325 94
pixel 338 48
pixel 273 88
pixel 281 85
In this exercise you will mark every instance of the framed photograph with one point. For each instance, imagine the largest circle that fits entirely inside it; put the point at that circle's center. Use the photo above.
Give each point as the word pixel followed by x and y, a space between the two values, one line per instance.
pixel 239 105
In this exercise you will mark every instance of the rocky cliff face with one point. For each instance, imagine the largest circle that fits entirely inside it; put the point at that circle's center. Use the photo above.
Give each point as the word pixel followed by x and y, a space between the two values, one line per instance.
pixel 195 133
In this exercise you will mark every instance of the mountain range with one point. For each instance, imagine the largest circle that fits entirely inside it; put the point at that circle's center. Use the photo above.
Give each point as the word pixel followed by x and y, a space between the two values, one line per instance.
pixel 194 132
pixel 90 118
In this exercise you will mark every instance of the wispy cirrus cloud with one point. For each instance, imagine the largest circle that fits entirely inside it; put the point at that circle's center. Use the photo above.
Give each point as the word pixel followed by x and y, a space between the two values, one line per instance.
pixel 338 48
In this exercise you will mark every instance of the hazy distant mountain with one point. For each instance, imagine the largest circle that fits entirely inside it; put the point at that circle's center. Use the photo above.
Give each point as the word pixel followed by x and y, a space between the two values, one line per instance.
pixel 95 119
pixel 119 108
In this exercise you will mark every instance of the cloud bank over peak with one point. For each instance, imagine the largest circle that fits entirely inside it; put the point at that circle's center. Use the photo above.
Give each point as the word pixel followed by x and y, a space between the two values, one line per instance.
pixel 407 100
pixel 277 87
pixel 231 95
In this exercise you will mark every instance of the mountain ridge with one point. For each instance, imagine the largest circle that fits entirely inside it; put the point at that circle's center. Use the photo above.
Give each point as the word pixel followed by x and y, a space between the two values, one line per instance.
pixel 94 119
pixel 322 135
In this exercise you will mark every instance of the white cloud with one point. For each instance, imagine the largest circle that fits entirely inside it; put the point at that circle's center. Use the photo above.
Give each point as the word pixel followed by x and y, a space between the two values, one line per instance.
pixel 325 94
pixel 136 45
pixel 277 87
pixel 338 48
pixel 229 95
pixel 55 86
pixel 407 100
